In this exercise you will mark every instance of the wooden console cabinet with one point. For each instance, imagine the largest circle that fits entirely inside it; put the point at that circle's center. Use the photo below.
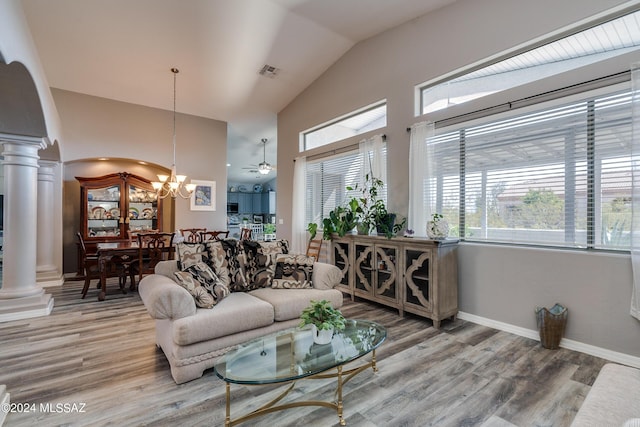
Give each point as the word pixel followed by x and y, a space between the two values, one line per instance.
pixel 415 275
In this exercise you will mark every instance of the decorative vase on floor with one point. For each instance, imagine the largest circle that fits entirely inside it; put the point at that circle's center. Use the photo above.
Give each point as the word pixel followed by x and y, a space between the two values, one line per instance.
pixel 321 336
pixel 437 228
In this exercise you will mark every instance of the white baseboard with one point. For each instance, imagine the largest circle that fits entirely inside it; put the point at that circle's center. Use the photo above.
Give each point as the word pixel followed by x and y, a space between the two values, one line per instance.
pixel 603 353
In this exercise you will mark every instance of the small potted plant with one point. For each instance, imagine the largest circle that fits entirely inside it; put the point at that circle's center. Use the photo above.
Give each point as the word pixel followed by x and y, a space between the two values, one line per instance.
pixel 438 227
pixel 324 320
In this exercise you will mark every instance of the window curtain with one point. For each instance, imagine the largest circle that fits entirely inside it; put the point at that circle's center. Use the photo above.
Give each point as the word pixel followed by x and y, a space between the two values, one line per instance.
pixel 299 236
pixel 373 159
pixel 420 166
pixel 635 161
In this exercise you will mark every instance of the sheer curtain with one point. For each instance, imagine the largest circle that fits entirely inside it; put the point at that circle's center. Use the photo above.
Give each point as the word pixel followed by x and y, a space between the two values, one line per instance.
pixel 299 237
pixel 371 151
pixel 635 161
pixel 420 165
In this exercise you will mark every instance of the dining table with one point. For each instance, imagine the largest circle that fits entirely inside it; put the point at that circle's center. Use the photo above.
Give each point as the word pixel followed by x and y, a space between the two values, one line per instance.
pixel 112 254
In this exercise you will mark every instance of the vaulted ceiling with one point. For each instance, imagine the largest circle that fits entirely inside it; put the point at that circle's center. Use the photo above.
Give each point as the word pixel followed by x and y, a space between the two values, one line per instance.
pixel 124 49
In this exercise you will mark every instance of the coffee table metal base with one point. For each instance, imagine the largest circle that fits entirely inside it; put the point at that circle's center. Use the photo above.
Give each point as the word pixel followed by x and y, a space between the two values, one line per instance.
pixel 343 377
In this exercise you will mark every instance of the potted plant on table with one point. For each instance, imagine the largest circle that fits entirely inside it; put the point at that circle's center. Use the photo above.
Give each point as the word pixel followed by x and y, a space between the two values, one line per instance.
pixel 324 320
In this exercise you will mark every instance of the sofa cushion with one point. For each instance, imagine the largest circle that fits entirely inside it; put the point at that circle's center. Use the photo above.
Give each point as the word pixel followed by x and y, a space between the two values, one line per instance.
pixel 259 261
pixel 202 273
pixel 202 298
pixel 293 272
pixel 223 259
pixel 289 303
pixel 238 312
pixel 189 254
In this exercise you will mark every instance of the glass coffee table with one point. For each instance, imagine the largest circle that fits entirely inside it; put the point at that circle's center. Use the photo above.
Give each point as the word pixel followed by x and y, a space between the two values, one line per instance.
pixel 291 355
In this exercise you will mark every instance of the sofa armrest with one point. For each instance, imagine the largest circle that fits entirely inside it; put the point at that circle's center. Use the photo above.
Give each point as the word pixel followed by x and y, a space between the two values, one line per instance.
pixel 164 298
pixel 325 276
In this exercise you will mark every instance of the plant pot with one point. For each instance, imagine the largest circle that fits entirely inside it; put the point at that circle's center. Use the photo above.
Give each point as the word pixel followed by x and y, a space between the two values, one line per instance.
pixel 438 230
pixel 321 336
pixel 363 229
pixel 386 224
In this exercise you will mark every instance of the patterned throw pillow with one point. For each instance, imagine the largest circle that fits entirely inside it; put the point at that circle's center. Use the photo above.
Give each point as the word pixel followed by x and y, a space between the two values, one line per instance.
pixel 223 260
pixel 203 274
pixel 200 295
pixel 293 272
pixel 189 254
pixel 260 261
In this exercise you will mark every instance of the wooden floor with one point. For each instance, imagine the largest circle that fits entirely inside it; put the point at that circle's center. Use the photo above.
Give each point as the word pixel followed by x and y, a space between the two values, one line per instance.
pixel 100 359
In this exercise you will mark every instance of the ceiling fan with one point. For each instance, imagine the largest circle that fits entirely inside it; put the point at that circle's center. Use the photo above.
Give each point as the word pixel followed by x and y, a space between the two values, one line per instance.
pixel 263 168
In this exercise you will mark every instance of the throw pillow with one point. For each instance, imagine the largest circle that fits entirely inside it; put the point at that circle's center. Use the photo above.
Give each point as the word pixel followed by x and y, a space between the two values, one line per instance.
pixel 202 298
pixel 203 274
pixel 293 272
pixel 260 261
pixel 223 260
pixel 189 254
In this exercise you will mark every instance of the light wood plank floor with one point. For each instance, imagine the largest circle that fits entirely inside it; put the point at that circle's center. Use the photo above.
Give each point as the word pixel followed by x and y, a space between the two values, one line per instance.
pixel 102 357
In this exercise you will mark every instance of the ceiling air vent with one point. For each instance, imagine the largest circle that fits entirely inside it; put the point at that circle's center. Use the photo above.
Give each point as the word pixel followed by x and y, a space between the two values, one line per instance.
pixel 268 71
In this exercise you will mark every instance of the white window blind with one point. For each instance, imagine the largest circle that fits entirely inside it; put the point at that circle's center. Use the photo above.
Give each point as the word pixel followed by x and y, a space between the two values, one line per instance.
pixel 559 176
pixel 327 182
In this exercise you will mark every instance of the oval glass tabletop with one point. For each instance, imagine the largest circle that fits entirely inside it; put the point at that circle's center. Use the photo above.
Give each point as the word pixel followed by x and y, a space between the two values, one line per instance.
pixel 292 354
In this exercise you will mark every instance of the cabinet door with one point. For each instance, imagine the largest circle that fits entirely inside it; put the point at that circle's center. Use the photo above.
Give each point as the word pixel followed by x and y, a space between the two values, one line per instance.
pixel 364 269
pixel 418 278
pixel 143 207
pixel 103 210
pixel 386 277
pixel 232 197
pixel 340 254
pixel 256 203
pixel 245 203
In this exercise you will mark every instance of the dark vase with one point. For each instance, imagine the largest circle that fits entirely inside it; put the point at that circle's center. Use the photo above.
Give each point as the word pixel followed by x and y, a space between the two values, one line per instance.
pixel 386 224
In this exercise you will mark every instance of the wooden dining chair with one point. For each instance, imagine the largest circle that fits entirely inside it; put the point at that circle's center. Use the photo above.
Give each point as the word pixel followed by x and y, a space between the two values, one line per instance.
pixel 90 267
pixel 245 234
pixel 192 235
pixel 213 235
pixel 153 248
pixel 314 247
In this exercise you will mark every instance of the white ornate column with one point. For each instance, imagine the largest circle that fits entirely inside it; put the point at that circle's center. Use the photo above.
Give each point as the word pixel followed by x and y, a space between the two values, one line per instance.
pixel 20 296
pixel 47 272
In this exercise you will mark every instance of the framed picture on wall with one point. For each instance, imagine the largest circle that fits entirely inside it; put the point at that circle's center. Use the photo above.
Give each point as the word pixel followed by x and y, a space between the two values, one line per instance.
pixel 203 197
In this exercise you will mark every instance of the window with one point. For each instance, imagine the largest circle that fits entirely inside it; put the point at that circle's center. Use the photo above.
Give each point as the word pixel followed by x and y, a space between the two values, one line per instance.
pixel 356 123
pixel 327 182
pixel 559 175
pixel 607 40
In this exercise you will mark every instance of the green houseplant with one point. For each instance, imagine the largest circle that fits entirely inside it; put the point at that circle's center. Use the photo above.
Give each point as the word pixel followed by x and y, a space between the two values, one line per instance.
pixel 323 318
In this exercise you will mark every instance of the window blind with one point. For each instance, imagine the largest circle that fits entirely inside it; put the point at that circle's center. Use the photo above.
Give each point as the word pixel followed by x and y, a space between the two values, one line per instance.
pixel 558 176
pixel 327 182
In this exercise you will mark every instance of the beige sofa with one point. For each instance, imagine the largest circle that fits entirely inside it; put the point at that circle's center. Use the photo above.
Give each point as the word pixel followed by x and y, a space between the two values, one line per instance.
pixel 614 399
pixel 193 338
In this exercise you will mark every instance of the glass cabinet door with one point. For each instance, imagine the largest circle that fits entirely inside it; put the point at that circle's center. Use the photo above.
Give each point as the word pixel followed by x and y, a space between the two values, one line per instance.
pixel 103 211
pixel 143 209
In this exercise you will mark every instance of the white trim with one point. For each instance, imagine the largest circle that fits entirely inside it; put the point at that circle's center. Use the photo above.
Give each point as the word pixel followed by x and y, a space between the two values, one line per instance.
pixel 592 350
pixel 4 401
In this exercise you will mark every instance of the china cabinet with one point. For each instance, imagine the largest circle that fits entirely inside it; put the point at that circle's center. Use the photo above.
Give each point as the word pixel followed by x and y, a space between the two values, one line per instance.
pixel 113 204
pixel 414 275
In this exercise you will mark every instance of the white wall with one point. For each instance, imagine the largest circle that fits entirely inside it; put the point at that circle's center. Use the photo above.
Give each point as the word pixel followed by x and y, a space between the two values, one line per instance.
pixel 500 283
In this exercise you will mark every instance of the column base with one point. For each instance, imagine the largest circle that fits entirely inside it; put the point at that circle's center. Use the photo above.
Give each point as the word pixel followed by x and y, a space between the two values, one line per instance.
pixel 50 277
pixel 27 307
pixel 4 400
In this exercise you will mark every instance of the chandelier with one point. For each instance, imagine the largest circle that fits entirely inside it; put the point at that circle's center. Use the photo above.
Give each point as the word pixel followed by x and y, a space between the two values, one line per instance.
pixel 263 167
pixel 174 184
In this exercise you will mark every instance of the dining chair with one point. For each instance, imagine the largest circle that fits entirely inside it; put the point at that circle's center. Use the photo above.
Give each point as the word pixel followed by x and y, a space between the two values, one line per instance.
pixel 213 235
pixel 153 248
pixel 192 235
pixel 245 234
pixel 314 247
pixel 90 267
pixel 257 231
